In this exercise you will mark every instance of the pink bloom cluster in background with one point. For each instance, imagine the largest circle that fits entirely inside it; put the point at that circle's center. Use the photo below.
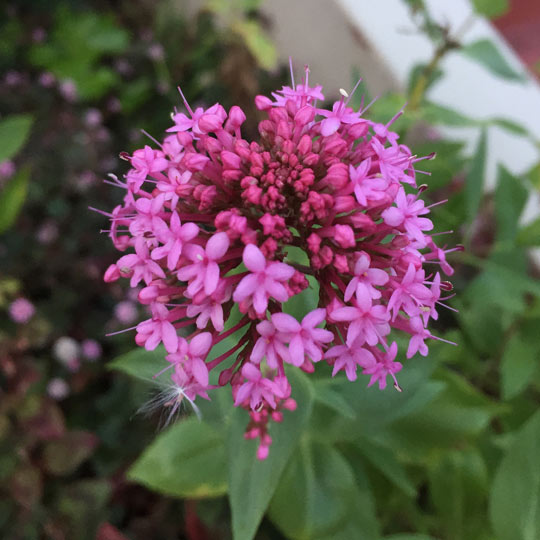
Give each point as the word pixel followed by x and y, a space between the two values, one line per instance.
pixel 207 228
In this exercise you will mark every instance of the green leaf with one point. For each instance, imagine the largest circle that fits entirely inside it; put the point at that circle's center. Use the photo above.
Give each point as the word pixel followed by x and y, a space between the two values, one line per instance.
pixel 384 459
pixel 301 304
pixel 408 536
pixel 490 8
pixel 419 70
pixel 14 131
pixel 519 362
pixel 456 416
pixel 375 408
pixel 318 498
pixel 474 183
pixel 140 363
pixel 486 53
pixel 334 400
pixel 12 198
pixel 511 126
pixel 458 489
pixel 515 495
pixel 187 460
pixel 529 235
pixel 439 114
pixel 252 482
pixel 510 199
pixel 261 47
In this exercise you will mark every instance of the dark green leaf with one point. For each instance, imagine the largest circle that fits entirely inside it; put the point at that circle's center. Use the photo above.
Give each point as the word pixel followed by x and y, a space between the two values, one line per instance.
pixel 318 498
pixel 252 482
pixel 433 113
pixel 457 415
pixel 515 494
pixel 384 459
pixel 490 8
pixel 486 53
pixel 408 536
pixel 325 394
pixel 474 183
pixel 14 131
pixel 187 460
pixel 458 489
pixel 519 362
pixel 12 198
pixel 140 363
pixel 510 199
pixel 529 235
pixel 511 126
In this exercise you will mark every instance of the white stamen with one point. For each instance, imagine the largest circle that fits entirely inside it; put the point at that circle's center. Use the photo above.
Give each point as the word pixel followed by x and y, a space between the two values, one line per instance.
pixel 343 93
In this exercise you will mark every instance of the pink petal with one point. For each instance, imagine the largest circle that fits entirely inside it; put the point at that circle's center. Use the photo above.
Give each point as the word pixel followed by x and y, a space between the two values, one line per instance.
pixel 251 372
pixel 296 350
pixel 259 350
pixel 211 278
pixel 189 231
pixel 200 344
pixel 330 125
pixel 217 246
pixel 393 216
pixel 260 301
pixel 345 314
pixel 280 271
pixel 285 323
pixel 315 317
pixel 276 290
pixel 216 314
pixel 253 258
pixel 200 371
pixel 266 328
pixel 246 287
pixel 169 337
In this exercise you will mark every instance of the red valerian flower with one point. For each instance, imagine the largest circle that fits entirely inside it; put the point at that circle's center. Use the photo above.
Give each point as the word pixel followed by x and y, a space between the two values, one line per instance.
pixel 213 218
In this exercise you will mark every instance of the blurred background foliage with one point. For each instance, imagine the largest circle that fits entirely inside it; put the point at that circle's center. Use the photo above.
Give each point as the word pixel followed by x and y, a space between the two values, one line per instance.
pixel 453 457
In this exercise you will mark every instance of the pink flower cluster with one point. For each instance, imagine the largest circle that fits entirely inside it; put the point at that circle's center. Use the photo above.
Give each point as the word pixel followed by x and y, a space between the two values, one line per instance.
pixel 208 222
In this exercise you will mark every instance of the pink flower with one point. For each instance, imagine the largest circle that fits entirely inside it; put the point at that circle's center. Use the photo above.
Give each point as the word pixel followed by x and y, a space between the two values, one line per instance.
pixel 406 213
pixel 152 332
pixel 269 345
pixel 364 280
pixel 216 224
pixel 21 310
pixel 265 280
pixel 368 323
pixel 257 389
pixel 191 355
pixel 384 366
pixel 204 272
pixel 303 338
pixel 410 293
pixel 340 114
pixel 174 237
pixel 349 358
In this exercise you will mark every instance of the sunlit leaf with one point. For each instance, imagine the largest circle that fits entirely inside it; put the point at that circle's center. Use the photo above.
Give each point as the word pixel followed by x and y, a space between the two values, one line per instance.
pixel 318 498
pixel 12 197
pixel 474 182
pixel 515 494
pixel 252 482
pixel 490 8
pixel 187 460
pixel 14 131
pixel 486 54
